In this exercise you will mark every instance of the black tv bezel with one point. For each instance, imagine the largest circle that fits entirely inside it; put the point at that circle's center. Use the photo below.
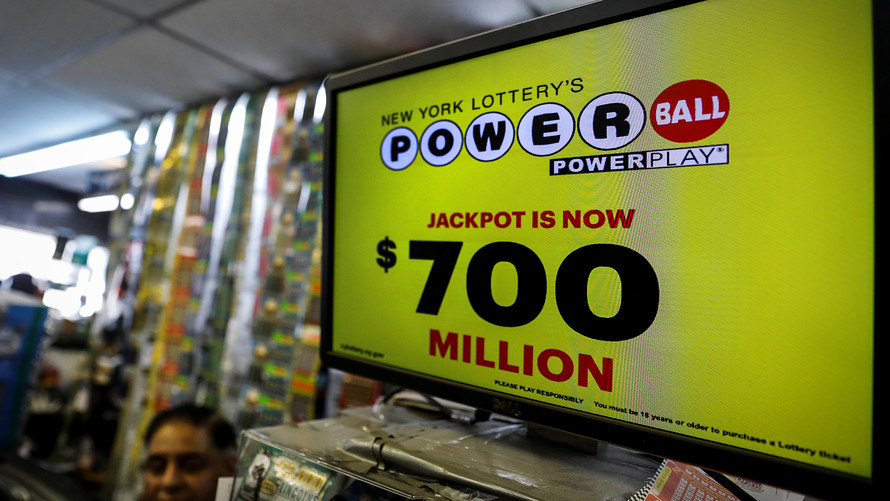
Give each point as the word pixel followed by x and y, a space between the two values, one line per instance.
pixel 800 477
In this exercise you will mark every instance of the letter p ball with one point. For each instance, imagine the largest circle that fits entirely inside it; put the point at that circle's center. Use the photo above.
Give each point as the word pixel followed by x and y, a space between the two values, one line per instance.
pixel 399 148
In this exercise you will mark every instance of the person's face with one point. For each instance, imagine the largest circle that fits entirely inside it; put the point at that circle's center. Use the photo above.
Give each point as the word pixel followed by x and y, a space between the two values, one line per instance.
pixel 183 465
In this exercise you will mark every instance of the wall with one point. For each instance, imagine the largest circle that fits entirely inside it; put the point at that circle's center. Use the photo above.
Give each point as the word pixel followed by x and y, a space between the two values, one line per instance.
pixel 36 207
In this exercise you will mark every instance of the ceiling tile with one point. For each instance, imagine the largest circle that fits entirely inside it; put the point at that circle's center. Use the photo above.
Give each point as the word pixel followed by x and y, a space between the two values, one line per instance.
pixel 289 39
pixel 7 78
pixel 150 71
pixel 542 7
pixel 38 33
pixel 35 116
pixel 75 179
pixel 143 9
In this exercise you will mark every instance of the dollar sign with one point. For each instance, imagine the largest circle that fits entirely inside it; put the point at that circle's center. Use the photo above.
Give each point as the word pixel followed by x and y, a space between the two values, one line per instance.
pixel 387 257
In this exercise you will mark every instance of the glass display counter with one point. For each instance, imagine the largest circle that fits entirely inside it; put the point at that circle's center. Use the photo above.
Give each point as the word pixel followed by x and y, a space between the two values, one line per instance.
pixel 389 451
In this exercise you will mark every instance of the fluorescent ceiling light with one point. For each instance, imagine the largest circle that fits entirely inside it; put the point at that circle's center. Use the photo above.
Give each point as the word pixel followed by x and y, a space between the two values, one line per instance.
pixel 321 100
pixel 127 201
pixel 101 203
pixel 91 149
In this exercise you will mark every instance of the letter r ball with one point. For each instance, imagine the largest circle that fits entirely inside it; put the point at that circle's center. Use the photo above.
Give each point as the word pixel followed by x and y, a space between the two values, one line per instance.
pixel 399 148
pixel 611 120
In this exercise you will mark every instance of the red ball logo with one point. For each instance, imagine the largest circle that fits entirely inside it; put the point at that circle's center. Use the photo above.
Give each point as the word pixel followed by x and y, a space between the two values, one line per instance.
pixel 689 111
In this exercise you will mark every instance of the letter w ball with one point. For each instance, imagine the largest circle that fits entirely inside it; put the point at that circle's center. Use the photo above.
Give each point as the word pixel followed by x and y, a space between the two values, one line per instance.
pixel 689 111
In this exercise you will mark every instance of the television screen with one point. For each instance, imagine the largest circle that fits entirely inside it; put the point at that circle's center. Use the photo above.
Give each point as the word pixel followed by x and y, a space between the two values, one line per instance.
pixel 652 223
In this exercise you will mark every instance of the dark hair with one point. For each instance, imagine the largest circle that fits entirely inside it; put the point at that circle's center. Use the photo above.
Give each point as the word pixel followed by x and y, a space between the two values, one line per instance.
pixel 222 434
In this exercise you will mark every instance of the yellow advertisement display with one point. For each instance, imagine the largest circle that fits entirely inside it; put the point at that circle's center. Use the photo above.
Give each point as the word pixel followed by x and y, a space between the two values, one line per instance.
pixel 667 220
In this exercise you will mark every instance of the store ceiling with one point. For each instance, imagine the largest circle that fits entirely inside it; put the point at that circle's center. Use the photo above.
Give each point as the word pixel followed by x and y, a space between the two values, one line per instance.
pixel 69 68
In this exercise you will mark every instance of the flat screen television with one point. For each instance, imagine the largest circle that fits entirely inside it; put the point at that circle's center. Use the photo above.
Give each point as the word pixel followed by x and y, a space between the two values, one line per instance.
pixel 648 222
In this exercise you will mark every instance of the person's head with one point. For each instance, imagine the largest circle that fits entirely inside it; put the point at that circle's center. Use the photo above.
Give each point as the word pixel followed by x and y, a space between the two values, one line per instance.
pixel 188 448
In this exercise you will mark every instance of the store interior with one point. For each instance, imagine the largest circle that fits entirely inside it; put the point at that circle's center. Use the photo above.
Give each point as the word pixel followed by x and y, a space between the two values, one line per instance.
pixel 76 70
pixel 207 239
